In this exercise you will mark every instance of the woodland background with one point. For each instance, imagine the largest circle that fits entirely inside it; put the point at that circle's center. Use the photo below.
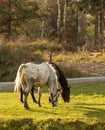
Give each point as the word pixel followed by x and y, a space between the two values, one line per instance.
pixel 31 30
pixel 70 22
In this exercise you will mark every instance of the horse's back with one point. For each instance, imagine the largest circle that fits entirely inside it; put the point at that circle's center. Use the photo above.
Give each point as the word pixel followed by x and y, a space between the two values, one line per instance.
pixel 46 72
pixel 43 73
pixel 39 72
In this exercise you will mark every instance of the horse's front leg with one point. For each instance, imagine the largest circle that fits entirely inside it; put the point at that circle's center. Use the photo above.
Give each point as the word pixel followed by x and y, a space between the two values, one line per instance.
pixel 39 95
pixel 32 95
pixel 53 96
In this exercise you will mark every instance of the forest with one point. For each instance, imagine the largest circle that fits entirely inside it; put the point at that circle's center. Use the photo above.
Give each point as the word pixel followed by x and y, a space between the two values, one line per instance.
pixel 71 23
pixel 71 33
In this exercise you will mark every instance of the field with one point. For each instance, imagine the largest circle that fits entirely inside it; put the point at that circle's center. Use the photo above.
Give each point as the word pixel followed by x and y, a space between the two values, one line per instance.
pixel 86 110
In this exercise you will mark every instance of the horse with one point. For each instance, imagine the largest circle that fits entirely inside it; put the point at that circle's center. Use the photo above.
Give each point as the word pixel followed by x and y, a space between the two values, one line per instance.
pixel 30 73
pixel 63 83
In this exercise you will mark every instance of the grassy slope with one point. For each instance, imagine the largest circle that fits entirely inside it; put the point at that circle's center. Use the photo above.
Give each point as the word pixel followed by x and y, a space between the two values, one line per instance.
pixel 85 111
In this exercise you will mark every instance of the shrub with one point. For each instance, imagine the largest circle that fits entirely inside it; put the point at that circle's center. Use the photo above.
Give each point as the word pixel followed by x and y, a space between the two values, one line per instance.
pixel 71 72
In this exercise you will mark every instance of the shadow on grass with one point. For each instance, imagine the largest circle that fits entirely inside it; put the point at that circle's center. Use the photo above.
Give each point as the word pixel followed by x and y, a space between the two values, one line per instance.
pixel 50 124
pixel 93 112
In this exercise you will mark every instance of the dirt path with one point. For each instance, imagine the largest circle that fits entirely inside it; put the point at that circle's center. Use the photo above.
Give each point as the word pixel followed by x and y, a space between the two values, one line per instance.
pixel 9 86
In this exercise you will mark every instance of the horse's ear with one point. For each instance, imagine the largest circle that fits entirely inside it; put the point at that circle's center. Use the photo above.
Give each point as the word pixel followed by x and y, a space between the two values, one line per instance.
pixel 59 89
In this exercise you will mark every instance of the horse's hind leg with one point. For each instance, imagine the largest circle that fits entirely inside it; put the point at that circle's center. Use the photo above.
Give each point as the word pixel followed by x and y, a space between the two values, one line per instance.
pixel 39 96
pixel 21 94
pixel 27 91
pixel 32 94
pixel 25 100
pixel 49 99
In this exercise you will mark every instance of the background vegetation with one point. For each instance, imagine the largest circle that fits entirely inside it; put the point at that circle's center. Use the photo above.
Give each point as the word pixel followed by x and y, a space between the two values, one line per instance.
pixel 30 30
pixel 78 64
pixel 71 23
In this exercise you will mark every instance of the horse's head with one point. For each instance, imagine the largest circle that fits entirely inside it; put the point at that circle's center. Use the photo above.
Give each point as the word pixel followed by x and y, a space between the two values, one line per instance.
pixel 53 99
pixel 66 95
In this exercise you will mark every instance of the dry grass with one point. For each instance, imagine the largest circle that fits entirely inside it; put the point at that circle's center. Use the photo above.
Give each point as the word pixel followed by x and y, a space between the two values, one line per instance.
pixel 13 54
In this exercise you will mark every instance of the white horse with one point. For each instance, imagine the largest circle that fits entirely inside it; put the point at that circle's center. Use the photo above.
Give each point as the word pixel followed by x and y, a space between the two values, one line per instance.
pixel 44 74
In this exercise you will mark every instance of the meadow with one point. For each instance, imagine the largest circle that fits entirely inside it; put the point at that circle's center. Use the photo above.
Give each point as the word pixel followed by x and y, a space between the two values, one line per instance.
pixel 86 110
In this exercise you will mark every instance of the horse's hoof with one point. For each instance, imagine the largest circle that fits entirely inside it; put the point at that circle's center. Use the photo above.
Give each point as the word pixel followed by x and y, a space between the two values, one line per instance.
pixel 49 100
pixel 22 102
pixel 27 107
pixel 54 105
pixel 39 105
pixel 35 101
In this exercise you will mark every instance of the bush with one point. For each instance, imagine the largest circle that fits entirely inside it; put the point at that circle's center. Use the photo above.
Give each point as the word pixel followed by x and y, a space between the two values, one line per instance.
pixel 12 57
pixel 71 72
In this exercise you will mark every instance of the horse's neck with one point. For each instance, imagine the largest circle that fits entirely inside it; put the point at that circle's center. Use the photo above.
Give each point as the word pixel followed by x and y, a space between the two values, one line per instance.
pixel 61 78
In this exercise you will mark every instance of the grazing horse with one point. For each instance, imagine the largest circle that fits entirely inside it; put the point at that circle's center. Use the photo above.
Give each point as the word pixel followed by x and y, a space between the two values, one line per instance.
pixel 28 74
pixel 63 83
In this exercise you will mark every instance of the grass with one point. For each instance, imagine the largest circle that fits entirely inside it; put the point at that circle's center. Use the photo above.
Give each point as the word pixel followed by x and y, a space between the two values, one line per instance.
pixel 86 110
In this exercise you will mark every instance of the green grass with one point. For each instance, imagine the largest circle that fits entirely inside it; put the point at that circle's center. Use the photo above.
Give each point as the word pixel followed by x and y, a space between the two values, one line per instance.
pixel 86 110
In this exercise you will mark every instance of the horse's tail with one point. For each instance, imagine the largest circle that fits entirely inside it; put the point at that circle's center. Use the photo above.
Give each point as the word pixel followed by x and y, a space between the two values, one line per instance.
pixel 19 77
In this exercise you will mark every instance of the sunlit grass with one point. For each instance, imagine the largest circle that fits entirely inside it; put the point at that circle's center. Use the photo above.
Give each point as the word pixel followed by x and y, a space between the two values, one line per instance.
pixel 85 110
pixel 80 56
pixel 87 102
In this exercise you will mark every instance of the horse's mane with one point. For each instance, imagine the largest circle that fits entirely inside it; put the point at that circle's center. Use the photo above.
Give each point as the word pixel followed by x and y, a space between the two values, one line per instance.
pixel 61 78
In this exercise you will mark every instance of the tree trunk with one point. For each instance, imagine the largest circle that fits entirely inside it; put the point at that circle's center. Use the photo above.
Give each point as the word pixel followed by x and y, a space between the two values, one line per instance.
pixel 76 27
pixel 42 30
pixel 96 33
pixel 43 21
pixel 58 20
pixel 102 23
pixel 64 14
pixel 9 20
pixel 101 28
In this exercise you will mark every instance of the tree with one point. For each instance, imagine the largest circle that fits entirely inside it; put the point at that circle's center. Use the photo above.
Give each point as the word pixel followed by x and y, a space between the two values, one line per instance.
pixel 64 14
pixel 102 9
pixel 13 14
pixel 58 20
pixel 96 8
